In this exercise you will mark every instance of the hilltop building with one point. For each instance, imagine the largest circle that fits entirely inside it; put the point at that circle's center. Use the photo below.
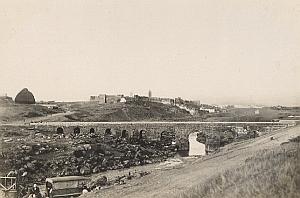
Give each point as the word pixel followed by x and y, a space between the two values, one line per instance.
pixel 209 110
pixel 168 101
pixel 104 98
pixel 150 94
pixel 123 100
pixel 25 97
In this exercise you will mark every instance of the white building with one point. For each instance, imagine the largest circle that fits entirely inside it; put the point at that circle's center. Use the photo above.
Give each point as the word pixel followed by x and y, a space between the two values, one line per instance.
pixel 209 110
pixel 122 100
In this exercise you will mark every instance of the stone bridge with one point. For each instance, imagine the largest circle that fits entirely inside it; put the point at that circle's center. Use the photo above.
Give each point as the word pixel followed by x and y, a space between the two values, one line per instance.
pixel 154 129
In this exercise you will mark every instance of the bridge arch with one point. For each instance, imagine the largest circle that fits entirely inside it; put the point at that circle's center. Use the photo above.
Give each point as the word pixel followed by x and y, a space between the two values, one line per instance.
pixel 124 134
pixel 92 131
pixel 142 134
pixel 60 130
pixel 108 131
pixel 76 130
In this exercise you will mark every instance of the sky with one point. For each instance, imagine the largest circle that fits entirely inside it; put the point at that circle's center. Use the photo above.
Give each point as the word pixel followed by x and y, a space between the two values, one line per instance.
pixel 215 51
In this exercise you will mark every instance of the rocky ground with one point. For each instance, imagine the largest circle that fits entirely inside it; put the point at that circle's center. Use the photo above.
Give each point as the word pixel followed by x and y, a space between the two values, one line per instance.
pixel 11 112
pixel 39 154
pixel 108 159
pixel 178 179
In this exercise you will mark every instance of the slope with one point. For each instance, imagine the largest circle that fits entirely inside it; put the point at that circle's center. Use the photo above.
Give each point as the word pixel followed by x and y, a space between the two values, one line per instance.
pixel 173 182
pixel 130 111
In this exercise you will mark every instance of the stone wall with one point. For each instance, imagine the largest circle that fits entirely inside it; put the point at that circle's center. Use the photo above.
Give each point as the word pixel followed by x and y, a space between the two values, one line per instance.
pixel 154 129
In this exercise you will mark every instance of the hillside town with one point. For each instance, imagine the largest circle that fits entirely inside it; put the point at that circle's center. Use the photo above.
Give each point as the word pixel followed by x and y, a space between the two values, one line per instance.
pixel 193 107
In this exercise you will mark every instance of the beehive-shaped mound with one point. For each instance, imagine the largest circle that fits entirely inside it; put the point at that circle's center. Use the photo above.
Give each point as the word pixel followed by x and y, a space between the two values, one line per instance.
pixel 25 97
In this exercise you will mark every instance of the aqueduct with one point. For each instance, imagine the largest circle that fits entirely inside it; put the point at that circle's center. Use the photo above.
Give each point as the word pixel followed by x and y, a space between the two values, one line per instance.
pixel 153 129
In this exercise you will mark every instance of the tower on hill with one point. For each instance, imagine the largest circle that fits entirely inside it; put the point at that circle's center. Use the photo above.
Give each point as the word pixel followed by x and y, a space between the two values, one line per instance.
pixel 150 94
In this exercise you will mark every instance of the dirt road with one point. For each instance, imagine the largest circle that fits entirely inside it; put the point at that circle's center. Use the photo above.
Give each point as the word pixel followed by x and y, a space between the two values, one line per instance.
pixel 169 183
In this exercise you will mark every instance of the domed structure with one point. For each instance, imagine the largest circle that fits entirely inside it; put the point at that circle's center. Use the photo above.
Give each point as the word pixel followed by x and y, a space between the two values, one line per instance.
pixel 25 97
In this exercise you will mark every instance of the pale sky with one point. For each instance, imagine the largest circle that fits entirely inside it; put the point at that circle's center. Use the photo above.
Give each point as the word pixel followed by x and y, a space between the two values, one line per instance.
pixel 216 51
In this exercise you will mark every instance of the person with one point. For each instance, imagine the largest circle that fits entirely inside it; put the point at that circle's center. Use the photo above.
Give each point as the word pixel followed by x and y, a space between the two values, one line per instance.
pixel 35 191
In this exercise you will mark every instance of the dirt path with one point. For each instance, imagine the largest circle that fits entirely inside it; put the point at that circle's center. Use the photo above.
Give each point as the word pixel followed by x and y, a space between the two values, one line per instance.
pixel 169 183
pixel 37 119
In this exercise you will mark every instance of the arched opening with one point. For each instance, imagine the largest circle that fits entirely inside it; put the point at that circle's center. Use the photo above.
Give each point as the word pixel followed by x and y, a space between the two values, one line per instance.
pixel 76 130
pixel 195 147
pixel 92 131
pixel 142 135
pixel 124 134
pixel 59 130
pixel 107 132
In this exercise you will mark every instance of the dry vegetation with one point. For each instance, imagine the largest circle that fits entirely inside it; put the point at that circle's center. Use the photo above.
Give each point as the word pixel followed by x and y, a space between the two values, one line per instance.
pixel 15 112
pixel 270 173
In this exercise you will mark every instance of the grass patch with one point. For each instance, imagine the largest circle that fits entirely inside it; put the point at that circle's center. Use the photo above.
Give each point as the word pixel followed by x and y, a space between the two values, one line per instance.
pixel 270 173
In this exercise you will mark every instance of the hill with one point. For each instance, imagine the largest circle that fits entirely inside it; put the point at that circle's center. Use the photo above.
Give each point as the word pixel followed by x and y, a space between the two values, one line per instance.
pixel 269 173
pixel 264 114
pixel 153 111
pixel 10 111
pixel 130 111
pixel 133 111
